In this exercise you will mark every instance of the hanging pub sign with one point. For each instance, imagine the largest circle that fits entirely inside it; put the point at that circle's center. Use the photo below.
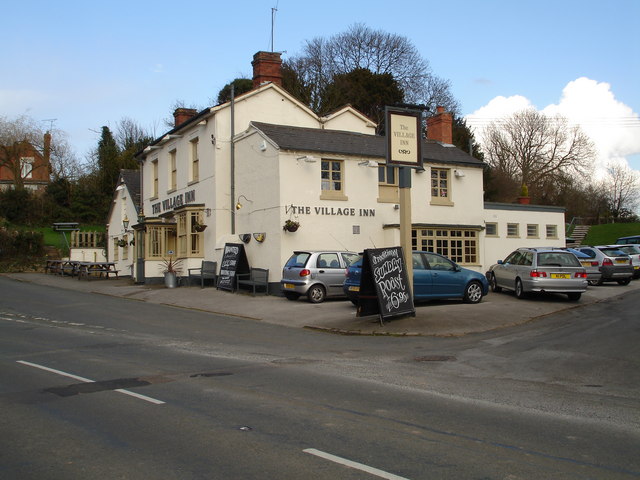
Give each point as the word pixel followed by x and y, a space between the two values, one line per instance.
pixel 234 261
pixel 384 285
pixel 404 141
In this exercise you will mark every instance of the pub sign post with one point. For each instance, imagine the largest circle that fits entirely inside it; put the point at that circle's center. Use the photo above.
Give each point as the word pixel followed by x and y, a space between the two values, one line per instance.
pixel 404 149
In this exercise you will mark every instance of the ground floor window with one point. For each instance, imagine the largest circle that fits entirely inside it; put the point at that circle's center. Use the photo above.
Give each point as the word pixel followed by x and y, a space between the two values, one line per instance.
pixel 160 241
pixel 190 230
pixel 460 245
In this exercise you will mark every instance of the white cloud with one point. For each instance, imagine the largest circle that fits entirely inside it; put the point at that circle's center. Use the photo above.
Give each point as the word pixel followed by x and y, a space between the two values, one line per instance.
pixel 612 125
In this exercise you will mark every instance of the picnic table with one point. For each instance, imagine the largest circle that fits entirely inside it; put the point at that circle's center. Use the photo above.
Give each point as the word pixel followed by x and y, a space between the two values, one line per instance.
pixel 61 267
pixel 99 269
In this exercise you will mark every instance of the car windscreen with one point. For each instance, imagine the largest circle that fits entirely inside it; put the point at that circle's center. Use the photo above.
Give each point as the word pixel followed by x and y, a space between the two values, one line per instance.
pixel 557 259
pixel 630 250
pixel 298 260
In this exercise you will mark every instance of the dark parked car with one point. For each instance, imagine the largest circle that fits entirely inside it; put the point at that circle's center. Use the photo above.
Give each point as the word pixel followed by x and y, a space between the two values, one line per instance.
pixel 614 264
pixel 551 270
pixel 434 277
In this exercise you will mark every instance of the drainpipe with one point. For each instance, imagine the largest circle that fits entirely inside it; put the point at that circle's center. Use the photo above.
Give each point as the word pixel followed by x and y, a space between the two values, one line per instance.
pixel 233 163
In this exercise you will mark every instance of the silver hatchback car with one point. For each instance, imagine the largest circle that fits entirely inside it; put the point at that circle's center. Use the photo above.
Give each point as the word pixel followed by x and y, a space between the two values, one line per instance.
pixel 539 270
pixel 318 274
pixel 614 264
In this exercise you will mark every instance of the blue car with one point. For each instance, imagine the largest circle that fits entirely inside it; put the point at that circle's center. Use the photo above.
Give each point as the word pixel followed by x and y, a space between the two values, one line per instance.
pixel 434 277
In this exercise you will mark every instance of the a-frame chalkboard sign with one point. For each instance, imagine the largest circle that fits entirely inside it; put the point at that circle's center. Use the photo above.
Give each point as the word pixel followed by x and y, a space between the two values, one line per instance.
pixel 384 285
pixel 234 261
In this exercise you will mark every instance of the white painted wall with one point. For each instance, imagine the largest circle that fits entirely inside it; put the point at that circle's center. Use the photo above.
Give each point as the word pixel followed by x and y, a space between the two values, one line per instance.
pixel 499 246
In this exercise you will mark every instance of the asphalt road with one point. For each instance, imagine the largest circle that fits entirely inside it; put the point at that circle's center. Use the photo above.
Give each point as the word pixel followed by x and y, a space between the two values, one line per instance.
pixel 100 387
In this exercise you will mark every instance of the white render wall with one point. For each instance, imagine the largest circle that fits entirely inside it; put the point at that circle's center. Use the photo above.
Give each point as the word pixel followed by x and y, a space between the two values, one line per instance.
pixel 499 246
pixel 283 187
pixel 123 206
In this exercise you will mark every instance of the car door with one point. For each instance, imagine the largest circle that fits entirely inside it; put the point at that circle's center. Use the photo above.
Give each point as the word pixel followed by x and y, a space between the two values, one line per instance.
pixel 422 283
pixel 445 276
pixel 505 273
pixel 331 272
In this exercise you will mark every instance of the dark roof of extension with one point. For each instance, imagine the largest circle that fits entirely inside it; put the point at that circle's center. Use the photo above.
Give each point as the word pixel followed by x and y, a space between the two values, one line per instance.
pixel 360 144
pixel 131 179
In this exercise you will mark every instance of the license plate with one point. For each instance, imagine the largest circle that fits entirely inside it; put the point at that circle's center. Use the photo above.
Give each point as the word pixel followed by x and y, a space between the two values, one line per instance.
pixel 354 288
pixel 560 275
pixel 586 264
pixel 289 285
pixel 620 260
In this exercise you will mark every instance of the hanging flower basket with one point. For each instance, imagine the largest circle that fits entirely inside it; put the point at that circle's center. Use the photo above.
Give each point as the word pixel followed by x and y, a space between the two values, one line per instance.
pixel 291 226
pixel 122 242
pixel 199 227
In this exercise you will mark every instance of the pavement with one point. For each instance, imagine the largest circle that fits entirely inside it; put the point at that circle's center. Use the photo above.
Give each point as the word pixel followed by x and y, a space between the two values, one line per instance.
pixel 436 318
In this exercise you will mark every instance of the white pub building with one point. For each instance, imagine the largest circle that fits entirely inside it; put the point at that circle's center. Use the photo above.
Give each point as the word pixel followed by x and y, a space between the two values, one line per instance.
pixel 236 172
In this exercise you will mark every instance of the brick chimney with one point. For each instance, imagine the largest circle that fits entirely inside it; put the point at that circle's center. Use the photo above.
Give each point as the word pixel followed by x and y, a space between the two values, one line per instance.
pixel 46 151
pixel 440 126
pixel 181 115
pixel 267 67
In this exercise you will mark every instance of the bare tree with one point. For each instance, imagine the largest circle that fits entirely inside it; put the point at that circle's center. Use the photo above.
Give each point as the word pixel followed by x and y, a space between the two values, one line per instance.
pixel 534 148
pixel 375 50
pixel 64 162
pixel 18 137
pixel 621 190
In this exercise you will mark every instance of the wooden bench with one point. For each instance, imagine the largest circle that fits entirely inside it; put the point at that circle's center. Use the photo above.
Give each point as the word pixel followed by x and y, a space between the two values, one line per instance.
pixel 207 271
pixel 256 278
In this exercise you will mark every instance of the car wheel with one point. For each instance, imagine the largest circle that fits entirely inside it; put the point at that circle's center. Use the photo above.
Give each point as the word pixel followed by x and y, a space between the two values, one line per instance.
pixel 574 296
pixel 316 294
pixel 594 282
pixel 473 293
pixel 519 290
pixel 626 281
pixel 494 284
pixel 291 296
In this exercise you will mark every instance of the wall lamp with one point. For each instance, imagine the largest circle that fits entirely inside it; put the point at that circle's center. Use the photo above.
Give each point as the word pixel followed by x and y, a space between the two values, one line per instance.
pixel 368 163
pixel 239 205
pixel 307 158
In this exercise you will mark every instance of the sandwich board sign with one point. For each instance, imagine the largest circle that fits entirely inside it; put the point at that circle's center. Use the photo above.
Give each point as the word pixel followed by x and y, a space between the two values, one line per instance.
pixel 384 285
pixel 234 261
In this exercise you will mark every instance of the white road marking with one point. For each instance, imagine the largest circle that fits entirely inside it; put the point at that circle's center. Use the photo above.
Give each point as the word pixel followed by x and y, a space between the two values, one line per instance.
pixel 88 380
pixel 356 465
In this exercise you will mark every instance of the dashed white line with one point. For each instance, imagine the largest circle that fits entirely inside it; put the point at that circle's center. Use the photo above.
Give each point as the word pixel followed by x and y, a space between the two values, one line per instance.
pixel 88 380
pixel 352 464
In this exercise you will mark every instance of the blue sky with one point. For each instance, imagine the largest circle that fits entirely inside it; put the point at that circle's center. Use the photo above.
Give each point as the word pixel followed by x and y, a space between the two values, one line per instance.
pixel 89 64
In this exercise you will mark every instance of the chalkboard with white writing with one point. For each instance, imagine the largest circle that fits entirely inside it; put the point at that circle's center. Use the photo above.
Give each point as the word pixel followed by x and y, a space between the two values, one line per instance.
pixel 234 261
pixel 384 285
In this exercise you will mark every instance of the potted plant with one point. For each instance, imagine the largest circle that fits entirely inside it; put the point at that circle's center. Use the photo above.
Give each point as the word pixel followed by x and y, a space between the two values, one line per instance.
pixel 291 226
pixel 198 227
pixel 122 242
pixel 524 195
pixel 170 267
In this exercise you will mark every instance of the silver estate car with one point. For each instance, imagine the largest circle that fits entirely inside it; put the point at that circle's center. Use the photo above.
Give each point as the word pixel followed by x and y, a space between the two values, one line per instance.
pixel 539 270
pixel 318 274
